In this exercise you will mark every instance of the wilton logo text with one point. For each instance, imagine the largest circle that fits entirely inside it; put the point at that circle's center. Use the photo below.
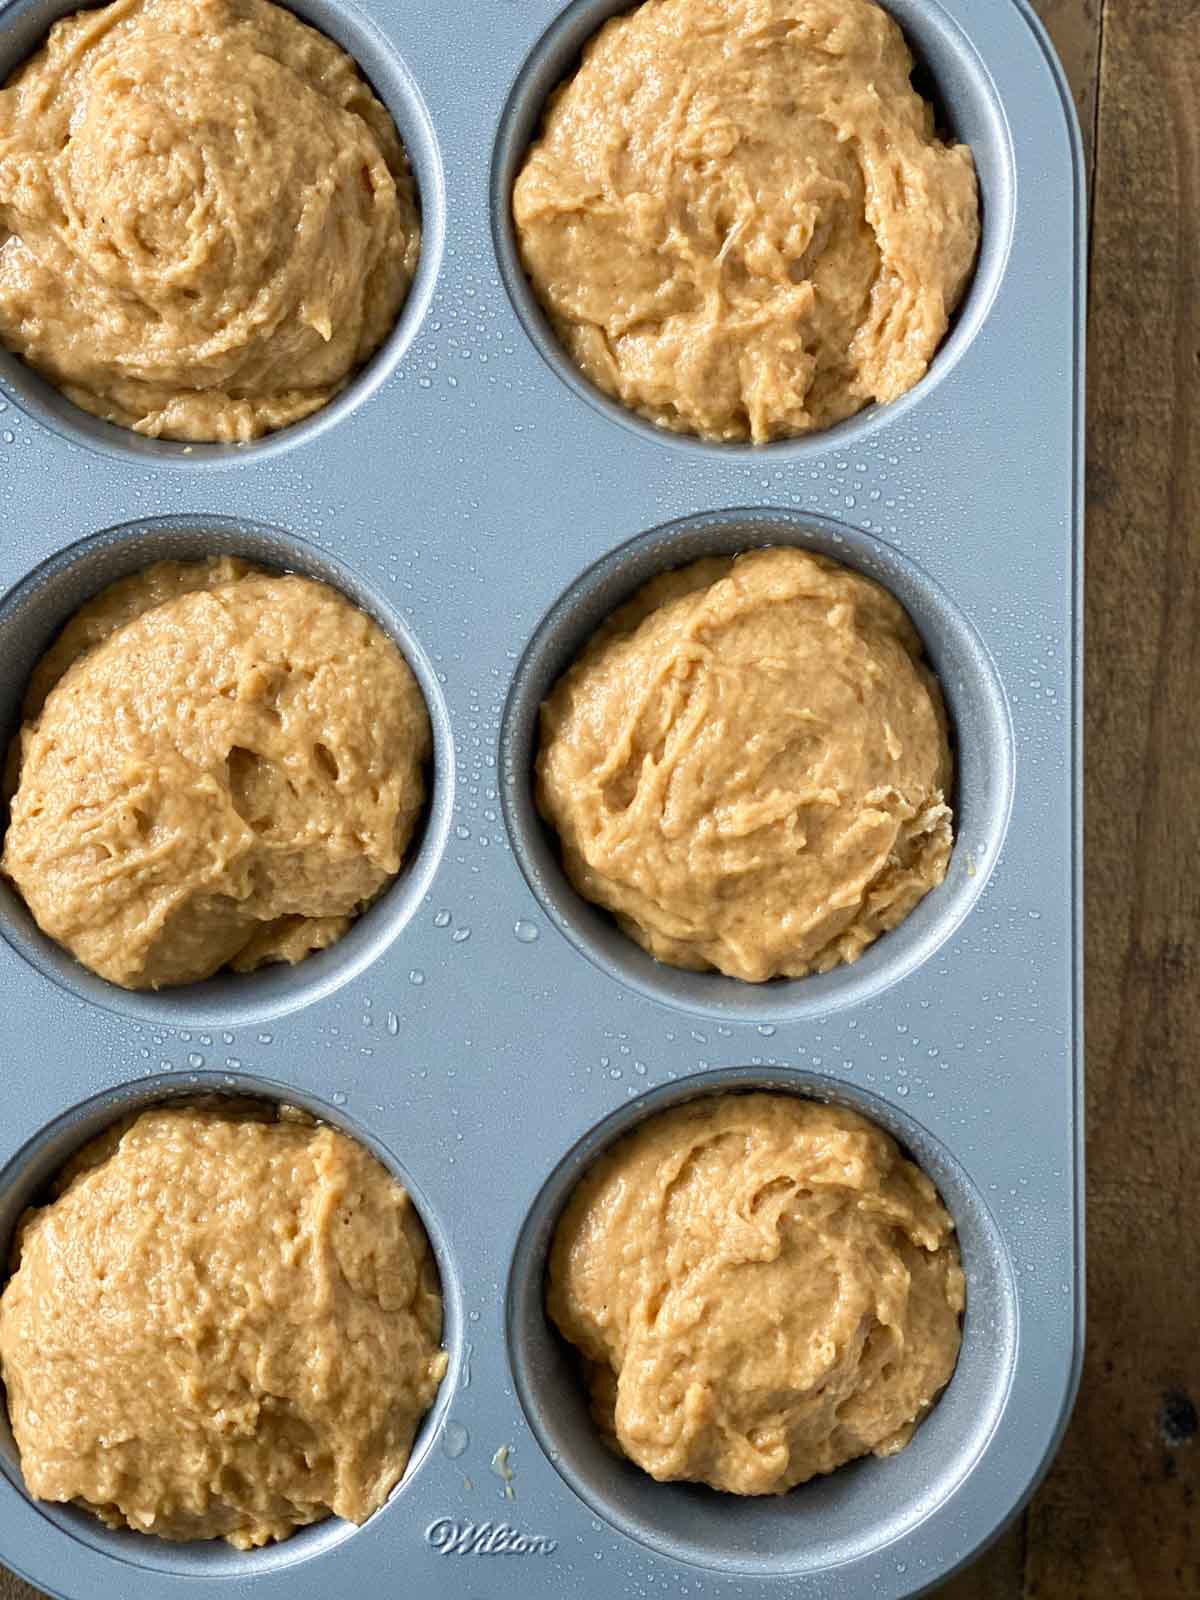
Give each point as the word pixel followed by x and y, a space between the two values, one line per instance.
pixel 485 1539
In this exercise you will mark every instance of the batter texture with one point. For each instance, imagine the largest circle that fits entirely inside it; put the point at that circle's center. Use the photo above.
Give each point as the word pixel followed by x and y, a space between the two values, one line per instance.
pixel 224 1326
pixel 762 1288
pixel 218 765
pixel 739 218
pixel 207 219
pixel 748 765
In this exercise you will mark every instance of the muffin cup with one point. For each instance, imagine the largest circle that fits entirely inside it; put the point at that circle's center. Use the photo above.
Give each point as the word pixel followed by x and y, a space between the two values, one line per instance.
pixel 23 28
pixel 949 72
pixel 830 1520
pixel 25 1181
pixel 31 616
pixel 980 735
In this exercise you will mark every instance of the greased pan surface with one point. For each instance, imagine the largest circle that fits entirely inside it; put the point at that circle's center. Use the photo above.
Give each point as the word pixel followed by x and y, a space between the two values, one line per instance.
pixel 483 1030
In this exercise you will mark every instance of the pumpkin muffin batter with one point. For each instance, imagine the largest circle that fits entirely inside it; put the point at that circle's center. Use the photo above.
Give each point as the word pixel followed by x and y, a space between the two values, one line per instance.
pixel 748 765
pixel 224 1326
pixel 762 1287
pixel 207 219
pixel 739 219
pixel 218 765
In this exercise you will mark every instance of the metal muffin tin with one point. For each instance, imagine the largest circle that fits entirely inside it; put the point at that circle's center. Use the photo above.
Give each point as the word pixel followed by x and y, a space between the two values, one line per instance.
pixel 483 1030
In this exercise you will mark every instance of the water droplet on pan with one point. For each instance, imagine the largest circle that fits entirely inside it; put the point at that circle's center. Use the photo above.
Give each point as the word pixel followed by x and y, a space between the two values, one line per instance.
pixel 455 1440
pixel 526 932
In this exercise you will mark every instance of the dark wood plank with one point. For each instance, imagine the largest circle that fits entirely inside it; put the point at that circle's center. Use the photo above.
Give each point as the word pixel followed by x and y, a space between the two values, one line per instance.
pixel 14 1588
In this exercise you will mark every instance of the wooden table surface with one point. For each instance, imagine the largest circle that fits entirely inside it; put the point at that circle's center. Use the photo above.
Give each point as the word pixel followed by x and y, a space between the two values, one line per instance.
pixel 1118 1518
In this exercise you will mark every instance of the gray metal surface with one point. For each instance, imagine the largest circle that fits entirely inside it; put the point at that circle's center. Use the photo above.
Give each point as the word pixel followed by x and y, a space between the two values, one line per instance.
pixel 482 1029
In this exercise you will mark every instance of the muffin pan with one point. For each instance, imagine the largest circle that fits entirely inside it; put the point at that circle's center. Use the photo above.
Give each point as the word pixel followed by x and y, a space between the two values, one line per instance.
pixel 482 1029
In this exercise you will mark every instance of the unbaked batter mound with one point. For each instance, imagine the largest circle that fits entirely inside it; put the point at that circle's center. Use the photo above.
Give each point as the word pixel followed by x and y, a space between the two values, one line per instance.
pixel 218 765
pixel 739 218
pixel 762 1288
pixel 749 766
pixel 224 1326
pixel 207 220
